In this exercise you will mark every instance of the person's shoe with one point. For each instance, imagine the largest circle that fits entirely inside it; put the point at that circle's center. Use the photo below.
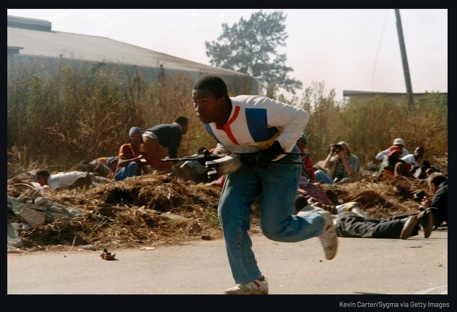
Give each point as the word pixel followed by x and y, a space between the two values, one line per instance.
pixel 328 238
pixel 409 226
pixel 256 287
pixel 427 221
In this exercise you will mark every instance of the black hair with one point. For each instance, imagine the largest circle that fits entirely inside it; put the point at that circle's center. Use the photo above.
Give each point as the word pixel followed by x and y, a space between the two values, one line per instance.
pixel 43 173
pixel 214 83
pixel 436 178
pixel 181 120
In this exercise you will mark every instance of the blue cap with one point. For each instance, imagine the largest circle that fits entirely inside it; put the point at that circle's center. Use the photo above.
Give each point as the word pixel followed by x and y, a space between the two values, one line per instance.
pixel 135 130
pixel 303 137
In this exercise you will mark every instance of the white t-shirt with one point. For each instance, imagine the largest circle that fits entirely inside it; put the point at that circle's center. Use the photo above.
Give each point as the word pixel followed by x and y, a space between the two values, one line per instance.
pixel 64 179
pixel 411 160
pixel 384 153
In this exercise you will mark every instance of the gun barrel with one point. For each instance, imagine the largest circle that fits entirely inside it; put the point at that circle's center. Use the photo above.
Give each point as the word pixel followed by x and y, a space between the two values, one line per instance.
pixel 181 159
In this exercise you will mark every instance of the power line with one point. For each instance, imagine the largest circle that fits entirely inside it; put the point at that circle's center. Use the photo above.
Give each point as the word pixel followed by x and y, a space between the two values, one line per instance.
pixel 377 51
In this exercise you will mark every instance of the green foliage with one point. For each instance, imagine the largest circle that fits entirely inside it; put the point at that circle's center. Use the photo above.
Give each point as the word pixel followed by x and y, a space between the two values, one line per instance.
pixel 250 47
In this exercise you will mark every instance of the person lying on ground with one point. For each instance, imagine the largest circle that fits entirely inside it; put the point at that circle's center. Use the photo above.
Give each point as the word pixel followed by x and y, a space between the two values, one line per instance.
pixel 351 221
pixel 101 167
pixel 64 180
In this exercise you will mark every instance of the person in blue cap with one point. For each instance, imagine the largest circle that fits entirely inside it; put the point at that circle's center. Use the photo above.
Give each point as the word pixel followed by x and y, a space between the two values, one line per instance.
pixel 132 158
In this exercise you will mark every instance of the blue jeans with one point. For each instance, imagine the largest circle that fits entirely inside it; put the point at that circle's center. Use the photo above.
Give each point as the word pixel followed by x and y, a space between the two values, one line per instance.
pixel 276 188
pixel 322 177
pixel 132 169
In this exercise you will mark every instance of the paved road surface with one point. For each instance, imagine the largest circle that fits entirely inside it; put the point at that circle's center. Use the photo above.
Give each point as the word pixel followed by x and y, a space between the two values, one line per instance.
pixel 362 266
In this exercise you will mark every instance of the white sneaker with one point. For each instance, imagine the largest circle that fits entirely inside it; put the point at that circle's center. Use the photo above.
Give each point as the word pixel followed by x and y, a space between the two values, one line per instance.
pixel 256 287
pixel 328 238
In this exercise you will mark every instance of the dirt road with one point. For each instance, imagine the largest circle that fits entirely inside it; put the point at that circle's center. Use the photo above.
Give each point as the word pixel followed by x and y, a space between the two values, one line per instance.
pixel 362 266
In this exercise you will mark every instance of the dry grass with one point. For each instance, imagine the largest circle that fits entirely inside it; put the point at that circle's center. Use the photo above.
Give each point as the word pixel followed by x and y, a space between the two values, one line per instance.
pixel 157 210
pixel 73 114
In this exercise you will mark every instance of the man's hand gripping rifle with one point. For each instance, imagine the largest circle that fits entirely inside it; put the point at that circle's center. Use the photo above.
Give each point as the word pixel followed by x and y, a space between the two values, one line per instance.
pixel 218 164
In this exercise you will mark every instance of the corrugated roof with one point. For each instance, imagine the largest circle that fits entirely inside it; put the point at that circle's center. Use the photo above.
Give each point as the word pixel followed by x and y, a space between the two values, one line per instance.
pixel 372 93
pixel 96 49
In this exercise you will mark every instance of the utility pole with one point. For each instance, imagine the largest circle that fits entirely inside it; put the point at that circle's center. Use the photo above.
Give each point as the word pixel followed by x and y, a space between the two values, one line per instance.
pixel 404 59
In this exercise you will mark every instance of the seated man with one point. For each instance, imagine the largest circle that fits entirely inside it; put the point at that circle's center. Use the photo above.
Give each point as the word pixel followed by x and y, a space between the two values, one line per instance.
pixel 393 165
pixel 307 168
pixel 132 158
pixel 61 180
pixel 341 165
pixel 437 205
pixel 397 142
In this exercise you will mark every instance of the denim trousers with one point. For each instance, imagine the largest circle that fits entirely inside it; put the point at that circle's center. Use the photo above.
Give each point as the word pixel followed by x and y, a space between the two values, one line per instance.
pixel 131 170
pixel 275 188
pixel 322 177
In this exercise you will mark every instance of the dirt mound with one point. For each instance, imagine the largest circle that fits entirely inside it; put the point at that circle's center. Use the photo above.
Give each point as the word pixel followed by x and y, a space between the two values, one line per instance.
pixel 160 210
pixel 141 211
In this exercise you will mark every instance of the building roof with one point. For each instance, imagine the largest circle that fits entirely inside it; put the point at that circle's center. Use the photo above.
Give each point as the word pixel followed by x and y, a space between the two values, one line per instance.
pixel 35 37
pixel 373 93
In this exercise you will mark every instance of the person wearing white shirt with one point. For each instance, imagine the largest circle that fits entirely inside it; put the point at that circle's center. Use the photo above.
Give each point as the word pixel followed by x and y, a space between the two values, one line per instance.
pixel 414 158
pixel 398 142
pixel 70 180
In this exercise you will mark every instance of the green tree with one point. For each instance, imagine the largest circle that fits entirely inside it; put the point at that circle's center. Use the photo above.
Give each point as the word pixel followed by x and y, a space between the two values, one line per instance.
pixel 250 47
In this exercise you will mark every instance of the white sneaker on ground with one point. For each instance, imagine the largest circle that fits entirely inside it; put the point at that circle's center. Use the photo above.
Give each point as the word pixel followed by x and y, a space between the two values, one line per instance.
pixel 328 238
pixel 256 287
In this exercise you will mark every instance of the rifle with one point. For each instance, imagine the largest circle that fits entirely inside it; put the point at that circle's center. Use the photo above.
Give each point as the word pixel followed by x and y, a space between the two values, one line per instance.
pixel 229 162
pixel 218 165
pixel 185 158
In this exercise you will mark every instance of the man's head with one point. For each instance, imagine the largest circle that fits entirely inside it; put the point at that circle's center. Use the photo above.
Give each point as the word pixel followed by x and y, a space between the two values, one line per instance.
pixel 211 100
pixel 42 176
pixel 419 152
pixel 395 151
pixel 399 142
pixel 435 179
pixel 215 84
pixel 301 142
pixel 183 122
pixel 345 146
pixel 135 136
